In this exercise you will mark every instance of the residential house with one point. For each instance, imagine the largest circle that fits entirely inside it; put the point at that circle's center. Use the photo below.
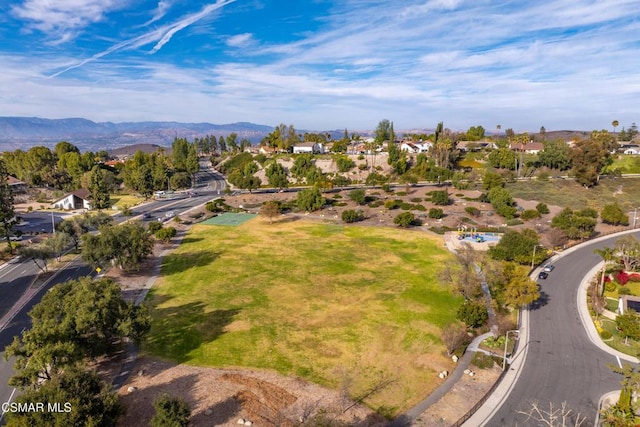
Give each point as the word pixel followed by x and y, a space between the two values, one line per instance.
pixel 78 199
pixel 265 149
pixel 530 148
pixel 16 185
pixel 308 147
pixel 630 149
pixel 475 145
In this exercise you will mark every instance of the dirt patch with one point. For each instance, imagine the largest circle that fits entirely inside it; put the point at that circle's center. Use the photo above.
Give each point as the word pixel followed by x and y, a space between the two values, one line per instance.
pixel 222 396
pixel 462 397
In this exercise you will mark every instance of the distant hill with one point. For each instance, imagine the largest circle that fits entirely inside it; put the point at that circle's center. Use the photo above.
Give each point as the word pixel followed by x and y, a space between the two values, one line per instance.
pixel 25 132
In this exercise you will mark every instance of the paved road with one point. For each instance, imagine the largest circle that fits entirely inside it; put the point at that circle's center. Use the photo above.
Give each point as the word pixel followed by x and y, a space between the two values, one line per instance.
pixel 15 277
pixel 562 364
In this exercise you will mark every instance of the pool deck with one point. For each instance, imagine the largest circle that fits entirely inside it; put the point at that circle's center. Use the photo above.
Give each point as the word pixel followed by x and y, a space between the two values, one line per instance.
pixel 453 243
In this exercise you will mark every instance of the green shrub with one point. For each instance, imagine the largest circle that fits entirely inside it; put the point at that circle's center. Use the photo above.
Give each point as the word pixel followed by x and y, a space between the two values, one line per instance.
pixel 376 204
pixel 610 286
pixel 624 291
pixel 605 335
pixel 440 198
pixel 337 196
pixel 441 229
pixel 473 211
pixel 165 234
pixel 401 193
pixel 351 215
pixel 361 157
pixel 474 314
pixel 542 208
pixel 513 221
pixel 530 214
pixel 170 412
pixel 391 204
pixel 436 213
pixel 362 166
pixel 405 219
pixel 405 206
pixel 416 200
pixel 468 220
pixel 482 361
pixel 154 226
pixel 387 188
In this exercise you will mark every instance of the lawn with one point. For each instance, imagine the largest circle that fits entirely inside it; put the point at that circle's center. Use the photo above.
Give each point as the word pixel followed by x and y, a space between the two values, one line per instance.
pixel 336 305
pixel 568 193
pixel 120 200
pixel 626 163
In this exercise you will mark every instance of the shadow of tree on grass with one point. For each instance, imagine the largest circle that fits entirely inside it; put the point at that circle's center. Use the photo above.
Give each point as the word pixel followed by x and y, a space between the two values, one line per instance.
pixel 177 263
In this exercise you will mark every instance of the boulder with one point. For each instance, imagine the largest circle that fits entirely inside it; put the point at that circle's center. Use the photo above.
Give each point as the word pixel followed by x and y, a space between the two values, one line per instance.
pixel 240 421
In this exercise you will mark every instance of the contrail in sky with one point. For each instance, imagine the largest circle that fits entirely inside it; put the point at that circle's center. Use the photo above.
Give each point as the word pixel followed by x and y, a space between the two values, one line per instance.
pixel 164 35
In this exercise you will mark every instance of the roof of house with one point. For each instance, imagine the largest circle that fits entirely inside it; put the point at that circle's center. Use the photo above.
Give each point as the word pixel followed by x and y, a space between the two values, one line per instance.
pixel 81 193
pixel 531 146
pixel 309 144
pixel 14 181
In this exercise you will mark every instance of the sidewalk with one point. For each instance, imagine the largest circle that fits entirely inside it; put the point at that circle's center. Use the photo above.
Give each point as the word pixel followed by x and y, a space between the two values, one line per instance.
pixel 463 363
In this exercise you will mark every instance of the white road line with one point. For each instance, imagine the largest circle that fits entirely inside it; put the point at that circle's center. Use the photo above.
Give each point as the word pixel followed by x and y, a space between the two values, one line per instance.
pixel 619 362
pixel 8 401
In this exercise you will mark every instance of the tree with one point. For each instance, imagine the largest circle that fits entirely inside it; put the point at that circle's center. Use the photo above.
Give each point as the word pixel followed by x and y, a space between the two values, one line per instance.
pixel 170 412
pixel 405 219
pixel 628 249
pixel 590 156
pixel 575 224
pixel 73 227
pixel 517 246
pixel 57 244
pixel 277 176
pixel 126 245
pixel 8 218
pixel 521 291
pixel 615 124
pixel 629 325
pixel 99 188
pixel 75 320
pixel 503 158
pixel 492 179
pixel 270 209
pixel 83 399
pixel 555 416
pixel 473 313
pixel 40 255
pixel 453 337
pixel 555 155
pixel 358 196
pixel 310 199
pixel 613 214
pixel 542 208
pixel 502 202
pixel 607 254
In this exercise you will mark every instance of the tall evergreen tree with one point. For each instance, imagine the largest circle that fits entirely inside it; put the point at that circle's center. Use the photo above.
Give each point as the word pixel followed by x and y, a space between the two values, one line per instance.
pixel 7 209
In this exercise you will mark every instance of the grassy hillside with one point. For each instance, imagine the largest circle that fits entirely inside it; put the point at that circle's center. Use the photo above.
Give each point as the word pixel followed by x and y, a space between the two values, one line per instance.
pixel 568 193
pixel 323 302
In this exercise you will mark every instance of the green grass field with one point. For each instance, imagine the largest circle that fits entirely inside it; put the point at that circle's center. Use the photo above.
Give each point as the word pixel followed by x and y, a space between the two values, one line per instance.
pixel 121 200
pixel 626 163
pixel 568 193
pixel 322 302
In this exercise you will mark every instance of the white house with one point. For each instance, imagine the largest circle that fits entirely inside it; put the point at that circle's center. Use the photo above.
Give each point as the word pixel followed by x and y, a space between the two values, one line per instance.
pixel 78 199
pixel 308 147
pixel 409 147
pixel 630 149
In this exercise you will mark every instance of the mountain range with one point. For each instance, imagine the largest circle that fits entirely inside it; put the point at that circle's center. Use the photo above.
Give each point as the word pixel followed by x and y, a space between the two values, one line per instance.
pixel 26 132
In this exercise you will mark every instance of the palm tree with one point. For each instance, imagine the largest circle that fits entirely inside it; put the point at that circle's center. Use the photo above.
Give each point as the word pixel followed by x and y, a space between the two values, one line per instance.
pixel 607 255
pixel 615 124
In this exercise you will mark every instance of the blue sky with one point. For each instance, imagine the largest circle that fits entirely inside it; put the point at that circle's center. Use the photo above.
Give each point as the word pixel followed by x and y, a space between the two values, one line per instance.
pixel 325 64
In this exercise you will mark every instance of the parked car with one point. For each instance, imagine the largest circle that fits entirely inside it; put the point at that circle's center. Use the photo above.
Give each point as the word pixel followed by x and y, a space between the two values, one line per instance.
pixel 146 215
pixel 543 275
pixel 549 268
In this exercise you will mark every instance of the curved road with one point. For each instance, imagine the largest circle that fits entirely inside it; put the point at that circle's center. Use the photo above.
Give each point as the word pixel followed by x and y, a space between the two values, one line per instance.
pixel 562 364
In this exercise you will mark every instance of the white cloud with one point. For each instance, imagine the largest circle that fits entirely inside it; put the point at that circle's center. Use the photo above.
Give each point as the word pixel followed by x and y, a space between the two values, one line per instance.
pixel 240 40
pixel 63 19
pixel 159 12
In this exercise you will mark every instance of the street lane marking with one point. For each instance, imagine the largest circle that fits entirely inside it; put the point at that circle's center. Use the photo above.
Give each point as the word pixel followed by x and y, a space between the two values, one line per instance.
pixel 619 362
